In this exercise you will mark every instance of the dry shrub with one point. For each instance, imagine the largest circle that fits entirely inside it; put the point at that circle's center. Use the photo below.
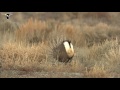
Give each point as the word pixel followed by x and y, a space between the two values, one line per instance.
pixel 96 72
pixel 72 33
pixel 18 56
pixel 33 31
pixel 98 15
pixel 67 29
pixel 87 35
pixel 97 55
pixel 43 31
pixel 55 66
pixel 112 57
pixel 99 33
pixel 8 26
pixel 98 51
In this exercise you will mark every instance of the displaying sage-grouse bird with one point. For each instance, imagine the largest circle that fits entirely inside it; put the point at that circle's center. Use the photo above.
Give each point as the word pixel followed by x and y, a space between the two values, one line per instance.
pixel 64 52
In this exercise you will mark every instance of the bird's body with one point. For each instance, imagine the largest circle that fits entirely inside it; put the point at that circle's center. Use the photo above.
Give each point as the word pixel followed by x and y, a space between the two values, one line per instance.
pixel 64 52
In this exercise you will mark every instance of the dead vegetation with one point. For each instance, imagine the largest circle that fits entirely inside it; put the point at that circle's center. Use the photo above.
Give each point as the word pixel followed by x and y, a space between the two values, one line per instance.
pixel 25 47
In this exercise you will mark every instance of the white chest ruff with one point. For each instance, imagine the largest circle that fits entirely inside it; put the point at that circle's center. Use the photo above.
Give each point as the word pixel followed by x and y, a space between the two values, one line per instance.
pixel 69 48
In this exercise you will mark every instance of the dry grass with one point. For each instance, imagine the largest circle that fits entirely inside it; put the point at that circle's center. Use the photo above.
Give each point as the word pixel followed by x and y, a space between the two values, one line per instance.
pixel 25 48
pixel 16 56
pixel 32 31
pixel 96 72
pixel 98 15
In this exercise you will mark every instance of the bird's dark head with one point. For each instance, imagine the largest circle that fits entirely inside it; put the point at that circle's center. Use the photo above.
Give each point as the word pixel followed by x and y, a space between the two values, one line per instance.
pixel 67 41
pixel 8 14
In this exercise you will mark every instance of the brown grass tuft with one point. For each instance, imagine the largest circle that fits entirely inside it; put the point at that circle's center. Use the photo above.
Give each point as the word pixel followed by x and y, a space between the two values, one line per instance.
pixel 15 55
pixel 33 31
pixel 96 72
pixel 97 15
